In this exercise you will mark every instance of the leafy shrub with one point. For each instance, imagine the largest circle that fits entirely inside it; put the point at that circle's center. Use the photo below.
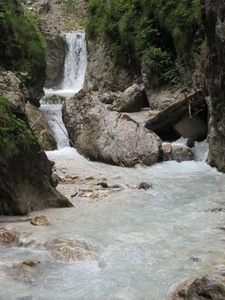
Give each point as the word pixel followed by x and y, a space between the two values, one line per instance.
pixel 12 131
pixel 153 31
pixel 22 46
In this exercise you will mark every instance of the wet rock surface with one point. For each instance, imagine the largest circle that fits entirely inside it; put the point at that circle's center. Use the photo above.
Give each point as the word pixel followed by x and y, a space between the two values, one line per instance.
pixel 206 287
pixel 71 250
pixel 40 221
pixel 39 124
pixel 178 153
pixel 7 236
pixel 106 136
pixel 214 24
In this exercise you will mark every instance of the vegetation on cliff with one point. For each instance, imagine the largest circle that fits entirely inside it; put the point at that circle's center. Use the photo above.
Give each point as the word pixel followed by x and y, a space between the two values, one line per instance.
pixel 12 131
pixel 22 47
pixel 22 50
pixel 153 32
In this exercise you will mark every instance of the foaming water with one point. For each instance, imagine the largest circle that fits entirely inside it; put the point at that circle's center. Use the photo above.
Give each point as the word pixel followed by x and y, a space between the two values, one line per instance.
pixel 75 66
pixel 200 149
pixel 52 112
pixel 149 240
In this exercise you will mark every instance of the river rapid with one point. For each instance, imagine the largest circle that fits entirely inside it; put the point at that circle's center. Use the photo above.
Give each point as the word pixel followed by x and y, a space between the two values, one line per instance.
pixel 149 241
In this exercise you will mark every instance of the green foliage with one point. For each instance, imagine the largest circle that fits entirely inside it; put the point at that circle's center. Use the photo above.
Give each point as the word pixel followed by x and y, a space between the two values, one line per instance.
pixel 153 31
pixel 12 131
pixel 22 47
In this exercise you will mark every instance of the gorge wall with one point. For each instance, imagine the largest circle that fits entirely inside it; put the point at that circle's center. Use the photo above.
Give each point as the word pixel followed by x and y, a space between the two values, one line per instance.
pixel 26 177
pixel 214 25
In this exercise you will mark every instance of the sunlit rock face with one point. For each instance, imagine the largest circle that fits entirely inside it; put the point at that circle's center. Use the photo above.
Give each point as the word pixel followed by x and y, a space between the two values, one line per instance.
pixel 214 24
pixel 106 136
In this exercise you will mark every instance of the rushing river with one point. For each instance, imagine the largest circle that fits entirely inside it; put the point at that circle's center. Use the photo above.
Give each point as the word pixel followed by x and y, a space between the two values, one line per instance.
pixel 149 240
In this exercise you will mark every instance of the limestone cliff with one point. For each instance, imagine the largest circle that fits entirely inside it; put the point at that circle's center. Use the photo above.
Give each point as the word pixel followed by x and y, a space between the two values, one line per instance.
pixel 214 25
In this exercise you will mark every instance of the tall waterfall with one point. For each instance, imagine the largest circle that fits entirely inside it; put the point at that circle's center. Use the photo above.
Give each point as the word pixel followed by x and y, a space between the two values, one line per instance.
pixel 75 62
pixel 73 79
pixel 75 65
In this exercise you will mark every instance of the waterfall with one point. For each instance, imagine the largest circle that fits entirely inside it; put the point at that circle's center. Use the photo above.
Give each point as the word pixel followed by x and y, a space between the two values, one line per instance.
pixel 73 79
pixel 75 62
pixel 74 67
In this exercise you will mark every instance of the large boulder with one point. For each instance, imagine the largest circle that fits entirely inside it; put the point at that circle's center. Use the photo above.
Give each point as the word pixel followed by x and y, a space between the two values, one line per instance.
pixel 131 100
pixel 206 287
pixel 108 136
pixel 25 182
pixel 214 25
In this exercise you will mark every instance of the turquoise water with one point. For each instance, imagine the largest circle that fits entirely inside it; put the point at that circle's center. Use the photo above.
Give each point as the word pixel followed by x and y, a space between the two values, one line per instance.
pixel 149 241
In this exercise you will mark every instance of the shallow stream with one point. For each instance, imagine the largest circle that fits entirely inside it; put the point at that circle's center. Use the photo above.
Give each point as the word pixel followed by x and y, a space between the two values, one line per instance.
pixel 149 241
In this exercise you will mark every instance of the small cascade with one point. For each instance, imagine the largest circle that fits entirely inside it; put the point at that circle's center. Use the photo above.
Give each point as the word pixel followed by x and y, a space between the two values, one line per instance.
pixel 73 79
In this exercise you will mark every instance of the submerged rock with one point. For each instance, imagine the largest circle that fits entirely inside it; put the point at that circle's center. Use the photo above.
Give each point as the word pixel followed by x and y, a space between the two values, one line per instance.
pixel 144 186
pixel 106 136
pixel 7 235
pixel 25 271
pixel 71 250
pixel 40 221
pixel 31 262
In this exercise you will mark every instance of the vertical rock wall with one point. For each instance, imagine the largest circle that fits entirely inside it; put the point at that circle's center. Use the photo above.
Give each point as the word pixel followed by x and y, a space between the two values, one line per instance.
pixel 214 25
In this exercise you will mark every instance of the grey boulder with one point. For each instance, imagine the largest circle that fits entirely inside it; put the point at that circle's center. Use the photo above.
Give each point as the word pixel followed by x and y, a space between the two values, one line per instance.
pixel 106 136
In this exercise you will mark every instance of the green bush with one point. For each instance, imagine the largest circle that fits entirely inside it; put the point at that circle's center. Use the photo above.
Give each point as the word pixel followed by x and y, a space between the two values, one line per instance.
pixel 22 46
pixel 153 31
pixel 12 131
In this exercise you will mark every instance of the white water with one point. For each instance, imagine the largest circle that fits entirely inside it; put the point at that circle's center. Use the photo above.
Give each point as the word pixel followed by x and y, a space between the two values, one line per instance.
pixel 149 240
pixel 75 65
